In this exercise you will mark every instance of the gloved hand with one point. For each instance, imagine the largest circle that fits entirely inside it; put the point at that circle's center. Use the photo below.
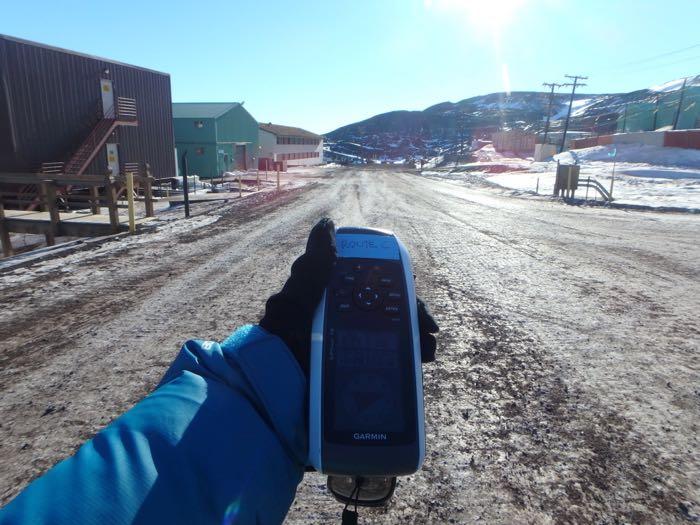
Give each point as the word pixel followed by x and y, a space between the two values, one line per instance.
pixel 426 327
pixel 289 313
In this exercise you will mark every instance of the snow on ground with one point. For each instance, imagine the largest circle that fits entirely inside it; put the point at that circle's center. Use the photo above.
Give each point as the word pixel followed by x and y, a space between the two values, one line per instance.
pixel 644 175
pixel 72 262
pixel 489 154
pixel 578 108
pixel 637 184
pixel 638 153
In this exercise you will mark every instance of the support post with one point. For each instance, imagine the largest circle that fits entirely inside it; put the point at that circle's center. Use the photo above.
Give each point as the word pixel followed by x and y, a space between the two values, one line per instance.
pixel 537 188
pixel 185 183
pixel 278 179
pixel 49 190
pixel 568 183
pixel 257 178
pixel 612 179
pixel 656 112
pixel 552 85
pixel 111 193
pixel 575 84
pixel 148 191
pixel 4 233
pixel 130 201
pixel 43 199
pixel 588 183
pixel 240 186
pixel 95 200
pixel 680 103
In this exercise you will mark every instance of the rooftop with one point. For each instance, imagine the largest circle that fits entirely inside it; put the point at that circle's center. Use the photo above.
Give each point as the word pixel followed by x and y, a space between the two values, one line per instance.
pixel 75 53
pixel 202 109
pixel 288 131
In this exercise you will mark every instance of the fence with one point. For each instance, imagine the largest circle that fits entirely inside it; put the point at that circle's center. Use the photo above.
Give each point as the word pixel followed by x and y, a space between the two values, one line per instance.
pixel 671 139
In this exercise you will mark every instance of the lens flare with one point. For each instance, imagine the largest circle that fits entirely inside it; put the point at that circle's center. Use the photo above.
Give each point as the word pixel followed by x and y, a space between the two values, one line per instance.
pixel 505 74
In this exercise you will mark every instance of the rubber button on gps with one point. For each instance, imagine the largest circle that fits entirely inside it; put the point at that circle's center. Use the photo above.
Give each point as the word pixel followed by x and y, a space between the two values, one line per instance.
pixel 344 307
pixel 367 298
pixel 386 281
pixel 392 309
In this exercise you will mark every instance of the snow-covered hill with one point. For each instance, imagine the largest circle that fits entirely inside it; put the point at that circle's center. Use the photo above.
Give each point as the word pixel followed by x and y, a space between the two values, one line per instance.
pixel 449 126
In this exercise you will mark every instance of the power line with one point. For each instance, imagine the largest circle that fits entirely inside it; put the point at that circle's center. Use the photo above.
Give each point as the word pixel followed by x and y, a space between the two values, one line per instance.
pixel 662 55
pixel 661 66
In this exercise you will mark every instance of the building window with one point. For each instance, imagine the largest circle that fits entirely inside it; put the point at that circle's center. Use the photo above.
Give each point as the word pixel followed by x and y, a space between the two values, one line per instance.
pixel 199 151
pixel 198 123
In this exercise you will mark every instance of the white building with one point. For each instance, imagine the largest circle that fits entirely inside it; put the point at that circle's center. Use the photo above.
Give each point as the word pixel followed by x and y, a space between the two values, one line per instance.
pixel 285 146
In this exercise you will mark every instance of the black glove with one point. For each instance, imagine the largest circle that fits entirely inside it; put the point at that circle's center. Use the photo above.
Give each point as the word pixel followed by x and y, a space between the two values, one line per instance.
pixel 426 326
pixel 289 313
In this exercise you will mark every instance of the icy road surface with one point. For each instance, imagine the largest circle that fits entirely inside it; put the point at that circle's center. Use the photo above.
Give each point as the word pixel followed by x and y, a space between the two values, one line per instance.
pixel 567 386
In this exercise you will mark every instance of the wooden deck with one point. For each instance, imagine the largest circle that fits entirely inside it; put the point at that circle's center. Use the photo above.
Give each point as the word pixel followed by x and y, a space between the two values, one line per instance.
pixel 24 194
pixel 72 224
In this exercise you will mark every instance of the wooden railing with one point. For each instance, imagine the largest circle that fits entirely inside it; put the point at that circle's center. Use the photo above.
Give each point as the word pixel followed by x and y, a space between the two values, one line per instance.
pixel 102 192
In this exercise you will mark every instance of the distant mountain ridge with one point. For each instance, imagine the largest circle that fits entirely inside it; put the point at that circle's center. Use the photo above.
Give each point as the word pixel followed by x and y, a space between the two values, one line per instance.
pixel 406 133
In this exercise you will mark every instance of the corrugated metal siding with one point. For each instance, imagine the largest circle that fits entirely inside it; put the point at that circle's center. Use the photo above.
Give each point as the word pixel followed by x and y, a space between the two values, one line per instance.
pixel 55 100
pixel 186 131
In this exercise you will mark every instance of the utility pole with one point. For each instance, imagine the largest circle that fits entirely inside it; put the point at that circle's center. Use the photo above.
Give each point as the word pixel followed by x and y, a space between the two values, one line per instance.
pixel 551 85
pixel 575 84
pixel 680 103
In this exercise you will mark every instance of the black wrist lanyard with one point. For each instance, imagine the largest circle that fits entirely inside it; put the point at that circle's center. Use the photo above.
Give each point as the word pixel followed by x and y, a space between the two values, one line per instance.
pixel 350 516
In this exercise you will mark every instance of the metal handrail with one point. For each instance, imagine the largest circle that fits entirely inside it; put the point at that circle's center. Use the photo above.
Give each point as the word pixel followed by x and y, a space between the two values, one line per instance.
pixel 592 183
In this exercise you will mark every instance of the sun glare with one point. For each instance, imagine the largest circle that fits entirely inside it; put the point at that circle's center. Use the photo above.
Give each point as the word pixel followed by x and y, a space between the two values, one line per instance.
pixel 492 16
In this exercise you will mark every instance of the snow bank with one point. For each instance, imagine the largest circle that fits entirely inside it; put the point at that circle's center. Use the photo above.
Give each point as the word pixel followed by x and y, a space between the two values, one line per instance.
pixel 655 186
pixel 638 153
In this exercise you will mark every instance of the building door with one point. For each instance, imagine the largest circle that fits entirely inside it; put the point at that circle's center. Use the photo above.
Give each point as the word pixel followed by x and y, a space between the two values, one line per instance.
pixel 107 97
pixel 113 158
pixel 240 158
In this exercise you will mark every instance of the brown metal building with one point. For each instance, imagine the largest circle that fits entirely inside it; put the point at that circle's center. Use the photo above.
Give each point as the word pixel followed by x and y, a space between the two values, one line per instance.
pixel 81 114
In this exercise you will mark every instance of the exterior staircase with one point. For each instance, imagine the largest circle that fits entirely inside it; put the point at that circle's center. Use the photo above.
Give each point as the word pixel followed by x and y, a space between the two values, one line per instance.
pixel 123 114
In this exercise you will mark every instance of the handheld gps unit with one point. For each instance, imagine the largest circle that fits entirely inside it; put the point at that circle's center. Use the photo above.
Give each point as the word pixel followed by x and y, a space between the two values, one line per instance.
pixel 366 390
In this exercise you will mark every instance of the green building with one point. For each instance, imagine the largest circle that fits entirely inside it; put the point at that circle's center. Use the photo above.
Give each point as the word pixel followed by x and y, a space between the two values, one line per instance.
pixel 217 136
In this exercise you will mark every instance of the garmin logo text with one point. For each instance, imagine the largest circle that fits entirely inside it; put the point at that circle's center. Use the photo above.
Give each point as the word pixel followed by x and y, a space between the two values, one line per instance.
pixel 369 437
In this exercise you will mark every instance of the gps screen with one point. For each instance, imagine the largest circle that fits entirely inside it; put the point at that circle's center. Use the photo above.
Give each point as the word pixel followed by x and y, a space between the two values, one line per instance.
pixel 368 384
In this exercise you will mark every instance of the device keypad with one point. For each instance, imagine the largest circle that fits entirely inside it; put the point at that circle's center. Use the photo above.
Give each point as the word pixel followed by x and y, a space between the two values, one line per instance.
pixel 365 287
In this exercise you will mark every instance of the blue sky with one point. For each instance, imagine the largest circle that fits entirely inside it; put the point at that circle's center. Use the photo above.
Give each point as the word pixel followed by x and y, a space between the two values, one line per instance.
pixel 320 64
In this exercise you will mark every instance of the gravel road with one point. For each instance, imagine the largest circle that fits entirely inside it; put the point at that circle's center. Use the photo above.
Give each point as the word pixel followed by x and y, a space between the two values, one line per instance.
pixel 567 386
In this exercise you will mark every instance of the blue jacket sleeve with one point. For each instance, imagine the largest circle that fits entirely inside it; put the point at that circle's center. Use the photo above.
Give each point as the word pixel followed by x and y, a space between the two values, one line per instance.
pixel 221 440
